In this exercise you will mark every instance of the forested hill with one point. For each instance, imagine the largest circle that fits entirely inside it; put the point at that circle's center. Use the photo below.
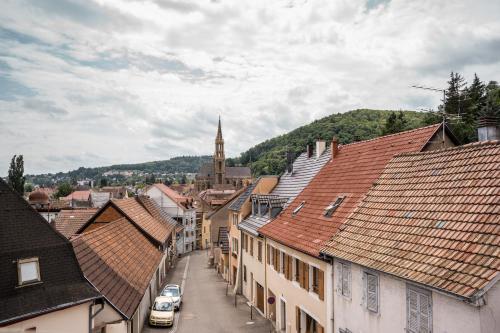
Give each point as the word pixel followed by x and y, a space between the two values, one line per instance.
pixel 269 157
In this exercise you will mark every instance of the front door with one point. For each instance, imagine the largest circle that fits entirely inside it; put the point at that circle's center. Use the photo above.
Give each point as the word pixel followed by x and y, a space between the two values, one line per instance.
pixel 260 298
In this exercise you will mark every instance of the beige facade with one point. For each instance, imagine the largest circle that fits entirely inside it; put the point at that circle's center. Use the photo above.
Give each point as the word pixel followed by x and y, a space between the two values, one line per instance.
pixel 72 319
pixel 254 271
pixel 205 232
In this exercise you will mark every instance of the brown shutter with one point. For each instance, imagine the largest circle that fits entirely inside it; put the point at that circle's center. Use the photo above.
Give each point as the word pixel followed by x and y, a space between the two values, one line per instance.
pixel 285 260
pixel 297 318
pixel 321 282
pixel 276 259
pixel 320 328
pixel 301 274
pixel 306 276
pixel 290 268
pixel 268 254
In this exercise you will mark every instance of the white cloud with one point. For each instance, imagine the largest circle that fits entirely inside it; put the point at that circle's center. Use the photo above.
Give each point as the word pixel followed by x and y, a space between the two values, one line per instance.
pixel 115 81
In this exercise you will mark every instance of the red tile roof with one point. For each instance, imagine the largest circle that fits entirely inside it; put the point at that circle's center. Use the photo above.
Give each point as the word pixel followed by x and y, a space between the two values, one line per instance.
pixel 78 195
pixel 349 174
pixel 68 222
pixel 138 214
pixel 431 217
pixel 174 195
pixel 119 261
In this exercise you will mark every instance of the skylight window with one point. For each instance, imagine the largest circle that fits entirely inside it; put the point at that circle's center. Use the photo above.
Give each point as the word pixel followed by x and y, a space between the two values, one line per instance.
pixel 299 207
pixel 333 207
pixel 440 224
pixel 28 271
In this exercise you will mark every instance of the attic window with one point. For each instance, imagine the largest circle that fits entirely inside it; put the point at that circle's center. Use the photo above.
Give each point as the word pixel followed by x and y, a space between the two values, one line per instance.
pixel 299 207
pixel 440 224
pixel 333 207
pixel 28 271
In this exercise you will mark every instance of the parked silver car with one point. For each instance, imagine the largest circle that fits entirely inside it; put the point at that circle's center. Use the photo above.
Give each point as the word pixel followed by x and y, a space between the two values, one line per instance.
pixel 173 291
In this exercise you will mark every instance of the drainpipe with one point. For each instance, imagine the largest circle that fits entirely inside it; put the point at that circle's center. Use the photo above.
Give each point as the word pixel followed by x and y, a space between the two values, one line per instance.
pixel 93 315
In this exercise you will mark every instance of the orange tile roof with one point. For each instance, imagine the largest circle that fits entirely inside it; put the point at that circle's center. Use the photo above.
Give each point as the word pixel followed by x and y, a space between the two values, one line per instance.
pixel 174 195
pixel 137 213
pixel 119 261
pixel 349 174
pixel 431 217
pixel 68 222
pixel 78 195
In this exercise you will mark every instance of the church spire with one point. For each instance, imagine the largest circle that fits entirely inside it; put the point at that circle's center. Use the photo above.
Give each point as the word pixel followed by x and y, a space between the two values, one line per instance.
pixel 219 132
pixel 219 158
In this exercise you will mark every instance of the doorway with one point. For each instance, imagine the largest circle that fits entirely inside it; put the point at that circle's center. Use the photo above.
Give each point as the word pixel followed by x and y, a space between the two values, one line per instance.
pixel 283 315
pixel 260 297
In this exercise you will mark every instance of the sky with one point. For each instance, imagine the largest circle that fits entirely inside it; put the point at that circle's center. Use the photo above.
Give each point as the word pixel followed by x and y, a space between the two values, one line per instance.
pixel 94 83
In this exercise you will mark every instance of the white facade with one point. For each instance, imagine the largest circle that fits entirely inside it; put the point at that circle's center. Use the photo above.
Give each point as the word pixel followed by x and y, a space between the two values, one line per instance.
pixel 253 268
pixel 186 240
pixel 447 314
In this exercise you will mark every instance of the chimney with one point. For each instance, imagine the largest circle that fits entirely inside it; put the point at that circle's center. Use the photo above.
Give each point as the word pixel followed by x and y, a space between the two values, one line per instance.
pixel 335 147
pixel 487 129
pixel 320 147
pixel 289 162
pixel 309 150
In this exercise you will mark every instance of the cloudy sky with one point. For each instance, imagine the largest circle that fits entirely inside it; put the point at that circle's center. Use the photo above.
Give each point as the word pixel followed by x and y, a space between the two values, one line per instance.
pixel 92 83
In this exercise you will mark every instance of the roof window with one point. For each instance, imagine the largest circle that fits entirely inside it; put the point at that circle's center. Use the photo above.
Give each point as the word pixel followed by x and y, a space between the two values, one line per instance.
pixel 28 271
pixel 408 215
pixel 299 207
pixel 333 207
pixel 440 224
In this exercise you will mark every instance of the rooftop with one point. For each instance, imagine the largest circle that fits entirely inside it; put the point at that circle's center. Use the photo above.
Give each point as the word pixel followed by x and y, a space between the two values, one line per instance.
pixel 68 222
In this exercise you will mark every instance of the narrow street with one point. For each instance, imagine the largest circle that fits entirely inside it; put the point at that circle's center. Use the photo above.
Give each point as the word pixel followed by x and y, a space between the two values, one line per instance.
pixel 206 308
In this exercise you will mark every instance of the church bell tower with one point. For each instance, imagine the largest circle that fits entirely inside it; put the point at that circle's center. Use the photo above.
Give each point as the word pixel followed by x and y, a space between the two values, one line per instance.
pixel 219 158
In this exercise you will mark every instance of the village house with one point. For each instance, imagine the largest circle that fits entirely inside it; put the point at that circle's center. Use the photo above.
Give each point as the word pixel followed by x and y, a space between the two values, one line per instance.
pixel 78 199
pixel 68 222
pixel 180 208
pixel 42 288
pixel 237 211
pixel 421 253
pixel 298 278
pixel 265 207
pixel 139 235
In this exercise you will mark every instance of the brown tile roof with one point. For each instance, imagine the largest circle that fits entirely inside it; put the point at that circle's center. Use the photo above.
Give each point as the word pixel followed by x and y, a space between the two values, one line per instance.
pixel 68 222
pixel 349 174
pixel 78 195
pixel 138 214
pixel 155 210
pixel 433 218
pixel 119 261
pixel 174 195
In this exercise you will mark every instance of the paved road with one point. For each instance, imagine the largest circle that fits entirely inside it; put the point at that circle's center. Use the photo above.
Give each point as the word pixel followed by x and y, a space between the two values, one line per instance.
pixel 206 308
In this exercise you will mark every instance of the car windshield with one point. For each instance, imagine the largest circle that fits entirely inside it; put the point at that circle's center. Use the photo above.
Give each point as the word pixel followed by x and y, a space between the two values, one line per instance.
pixel 171 292
pixel 162 306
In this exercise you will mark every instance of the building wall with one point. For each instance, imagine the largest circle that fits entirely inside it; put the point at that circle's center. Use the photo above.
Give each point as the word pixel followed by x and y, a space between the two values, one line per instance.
pixel 109 318
pixel 205 232
pixel 449 314
pixel 295 296
pixel 255 269
pixel 74 319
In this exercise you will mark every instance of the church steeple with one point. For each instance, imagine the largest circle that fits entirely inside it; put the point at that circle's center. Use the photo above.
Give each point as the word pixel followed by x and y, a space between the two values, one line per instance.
pixel 219 158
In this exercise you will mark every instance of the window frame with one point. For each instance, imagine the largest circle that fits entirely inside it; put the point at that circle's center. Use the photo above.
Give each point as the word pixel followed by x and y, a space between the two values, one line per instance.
pixel 19 274
pixel 366 277
pixel 426 293
pixel 259 251
pixel 342 276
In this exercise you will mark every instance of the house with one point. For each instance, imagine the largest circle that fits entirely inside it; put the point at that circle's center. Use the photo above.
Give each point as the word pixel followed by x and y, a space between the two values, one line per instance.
pixel 181 209
pixel 125 251
pixel 68 222
pixel 42 288
pixel 421 253
pixel 216 175
pixel 99 199
pixel 78 199
pixel 115 192
pixel 298 277
pixel 239 209
pixel 266 207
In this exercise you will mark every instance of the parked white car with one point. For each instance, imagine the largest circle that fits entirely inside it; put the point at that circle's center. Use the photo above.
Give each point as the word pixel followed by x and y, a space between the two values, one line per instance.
pixel 162 312
pixel 173 291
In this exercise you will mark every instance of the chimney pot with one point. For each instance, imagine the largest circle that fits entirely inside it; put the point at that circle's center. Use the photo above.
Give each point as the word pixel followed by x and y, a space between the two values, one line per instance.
pixel 320 147
pixel 335 147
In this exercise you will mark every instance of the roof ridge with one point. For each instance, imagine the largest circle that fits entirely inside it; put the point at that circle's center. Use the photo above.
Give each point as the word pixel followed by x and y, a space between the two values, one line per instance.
pixel 471 145
pixel 391 135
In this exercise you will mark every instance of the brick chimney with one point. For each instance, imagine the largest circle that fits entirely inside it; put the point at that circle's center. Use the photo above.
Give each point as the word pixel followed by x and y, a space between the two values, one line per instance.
pixel 335 147
pixel 320 147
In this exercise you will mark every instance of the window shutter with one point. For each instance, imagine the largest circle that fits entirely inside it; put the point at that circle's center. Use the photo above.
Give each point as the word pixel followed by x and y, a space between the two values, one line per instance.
pixel 276 259
pixel 319 328
pixel 346 288
pixel 372 292
pixel 290 267
pixel 424 312
pixel 321 284
pixel 301 274
pixel 306 276
pixel 268 254
pixel 297 318
pixel 412 306
pixel 285 263
pixel 339 278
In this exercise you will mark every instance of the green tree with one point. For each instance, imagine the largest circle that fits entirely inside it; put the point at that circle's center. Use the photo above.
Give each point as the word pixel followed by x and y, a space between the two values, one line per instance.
pixel 476 97
pixel 63 190
pixel 103 182
pixel 395 123
pixel 183 179
pixel 28 187
pixel 454 102
pixel 16 177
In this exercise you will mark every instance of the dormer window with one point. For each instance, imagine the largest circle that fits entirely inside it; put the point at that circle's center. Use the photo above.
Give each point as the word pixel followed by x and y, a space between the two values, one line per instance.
pixel 263 208
pixel 299 207
pixel 255 206
pixel 28 271
pixel 333 207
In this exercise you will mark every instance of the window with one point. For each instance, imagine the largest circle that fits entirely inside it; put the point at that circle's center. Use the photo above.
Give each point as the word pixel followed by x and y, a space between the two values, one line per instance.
pixel 28 271
pixel 244 273
pixel 259 251
pixel 235 245
pixel 251 246
pixel 235 218
pixel 344 279
pixel 296 263
pixel 419 310
pixel 245 242
pixel 282 263
pixel 255 206
pixel 333 207
pixel 263 208
pixel 371 291
pixel 315 280
pixel 299 207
